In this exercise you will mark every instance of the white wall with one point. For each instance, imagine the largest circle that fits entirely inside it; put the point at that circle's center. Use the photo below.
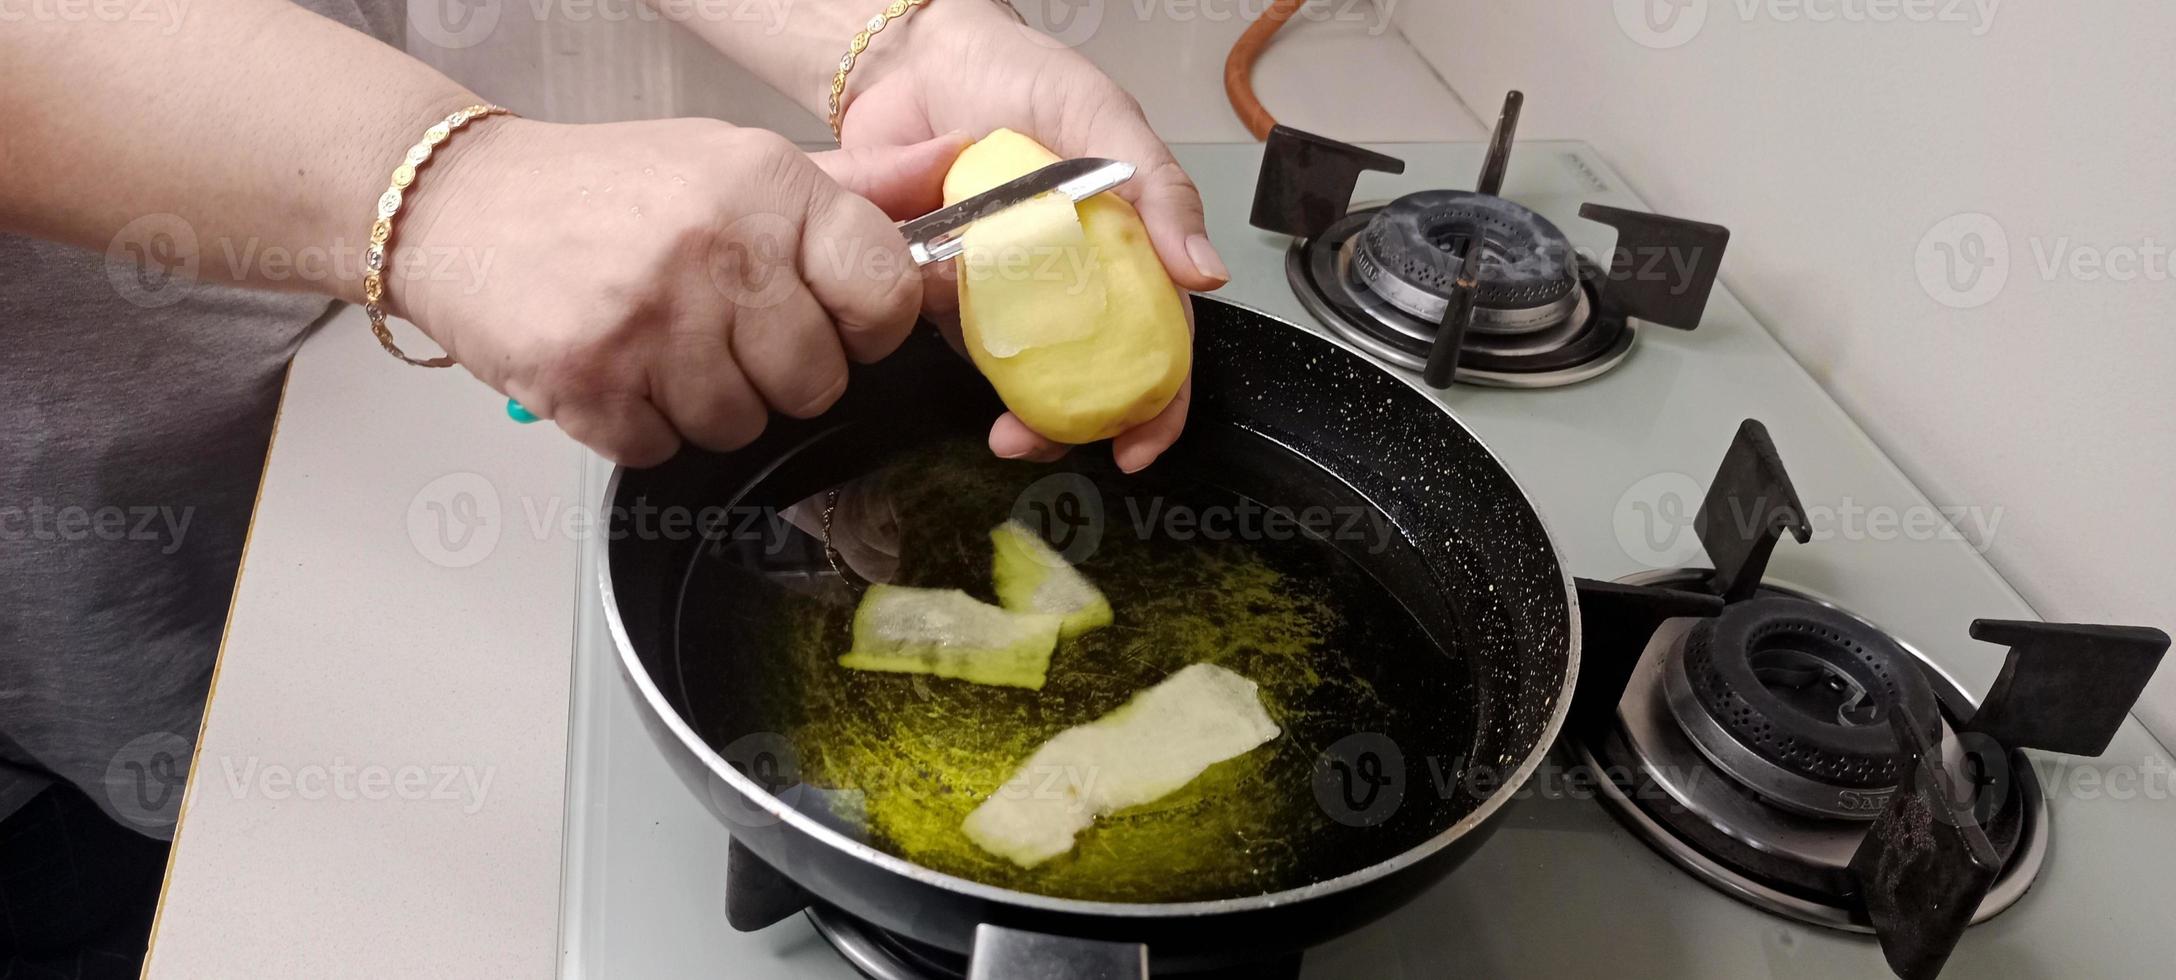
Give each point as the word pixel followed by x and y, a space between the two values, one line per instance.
pixel 1836 151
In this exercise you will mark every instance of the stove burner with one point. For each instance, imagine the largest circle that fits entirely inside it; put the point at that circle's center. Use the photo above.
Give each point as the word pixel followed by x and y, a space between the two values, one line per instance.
pixel 1466 285
pixel 1410 252
pixel 1557 343
pixel 1805 661
pixel 1788 698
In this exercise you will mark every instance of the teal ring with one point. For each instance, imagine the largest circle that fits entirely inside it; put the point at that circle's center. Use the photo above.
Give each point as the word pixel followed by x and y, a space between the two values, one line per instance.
pixel 515 411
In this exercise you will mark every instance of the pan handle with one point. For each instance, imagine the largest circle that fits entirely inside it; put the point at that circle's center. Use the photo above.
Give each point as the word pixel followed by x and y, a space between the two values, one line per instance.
pixel 1014 954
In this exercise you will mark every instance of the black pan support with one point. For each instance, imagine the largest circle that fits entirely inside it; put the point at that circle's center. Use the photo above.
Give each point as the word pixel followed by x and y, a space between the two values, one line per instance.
pixel 1307 181
pixel 1749 506
pixel 1662 271
pixel 1926 862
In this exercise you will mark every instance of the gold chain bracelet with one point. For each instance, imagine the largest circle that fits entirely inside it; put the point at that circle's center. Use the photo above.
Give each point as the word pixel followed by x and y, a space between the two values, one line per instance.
pixel 897 10
pixel 378 254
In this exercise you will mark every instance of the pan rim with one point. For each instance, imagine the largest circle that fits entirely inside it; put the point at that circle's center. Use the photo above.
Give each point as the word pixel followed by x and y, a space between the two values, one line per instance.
pixel 662 711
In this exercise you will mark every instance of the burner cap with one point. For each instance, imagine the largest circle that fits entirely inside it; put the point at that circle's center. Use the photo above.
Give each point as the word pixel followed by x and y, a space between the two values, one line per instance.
pixel 1409 254
pixel 1783 684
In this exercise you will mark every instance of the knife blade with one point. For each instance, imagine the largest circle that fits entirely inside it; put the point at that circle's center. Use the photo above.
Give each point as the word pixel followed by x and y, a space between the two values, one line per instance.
pixel 935 237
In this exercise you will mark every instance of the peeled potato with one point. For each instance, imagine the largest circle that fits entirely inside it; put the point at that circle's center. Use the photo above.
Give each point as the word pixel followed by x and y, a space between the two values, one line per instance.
pixel 1078 328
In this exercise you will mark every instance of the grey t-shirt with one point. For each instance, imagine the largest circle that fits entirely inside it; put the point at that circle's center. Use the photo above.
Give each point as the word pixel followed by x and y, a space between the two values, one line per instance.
pixel 135 409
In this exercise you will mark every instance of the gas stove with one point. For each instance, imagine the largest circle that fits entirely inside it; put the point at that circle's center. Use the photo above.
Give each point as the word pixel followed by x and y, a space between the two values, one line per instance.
pixel 1588 874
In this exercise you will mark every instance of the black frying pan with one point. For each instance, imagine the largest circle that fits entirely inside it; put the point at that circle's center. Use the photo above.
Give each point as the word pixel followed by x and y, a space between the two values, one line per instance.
pixel 1366 798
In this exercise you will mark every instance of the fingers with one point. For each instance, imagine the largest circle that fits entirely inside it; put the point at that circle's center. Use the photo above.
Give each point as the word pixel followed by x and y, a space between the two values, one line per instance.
pixel 1136 448
pixel 624 429
pixel 1169 203
pixel 856 267
pixel 705 394
pixel 904 181
pixel 1011 438
pixel 1171 208
pixel 791 354
pixel 1139 446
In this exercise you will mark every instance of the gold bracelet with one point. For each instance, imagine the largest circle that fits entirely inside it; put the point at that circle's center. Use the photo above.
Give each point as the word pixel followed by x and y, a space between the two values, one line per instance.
pixel 897 10
pixel 376 256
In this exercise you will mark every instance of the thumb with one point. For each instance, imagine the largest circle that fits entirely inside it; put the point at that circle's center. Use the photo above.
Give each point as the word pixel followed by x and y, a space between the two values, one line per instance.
pixel 904 181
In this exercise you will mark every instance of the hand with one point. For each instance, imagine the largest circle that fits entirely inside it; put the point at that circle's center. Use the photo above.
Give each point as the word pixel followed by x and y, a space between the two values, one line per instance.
pixel 968 66
pixel 658 281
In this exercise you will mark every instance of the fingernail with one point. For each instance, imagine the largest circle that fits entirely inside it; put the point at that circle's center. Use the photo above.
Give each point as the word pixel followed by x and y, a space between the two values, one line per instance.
pixel 1206 260
pixel 1015 454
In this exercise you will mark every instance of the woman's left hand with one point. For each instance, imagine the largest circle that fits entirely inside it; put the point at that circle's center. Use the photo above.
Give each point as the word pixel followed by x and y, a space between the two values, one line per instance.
pixel 970 67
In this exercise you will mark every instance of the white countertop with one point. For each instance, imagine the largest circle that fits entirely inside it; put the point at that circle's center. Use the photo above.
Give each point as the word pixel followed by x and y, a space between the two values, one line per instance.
pixel 378 789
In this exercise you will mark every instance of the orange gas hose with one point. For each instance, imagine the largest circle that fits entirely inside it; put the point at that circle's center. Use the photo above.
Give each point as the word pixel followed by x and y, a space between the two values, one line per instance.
pixel 1239 67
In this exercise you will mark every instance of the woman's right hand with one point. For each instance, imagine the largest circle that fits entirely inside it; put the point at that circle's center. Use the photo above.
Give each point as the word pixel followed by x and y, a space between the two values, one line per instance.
pixel 644 283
